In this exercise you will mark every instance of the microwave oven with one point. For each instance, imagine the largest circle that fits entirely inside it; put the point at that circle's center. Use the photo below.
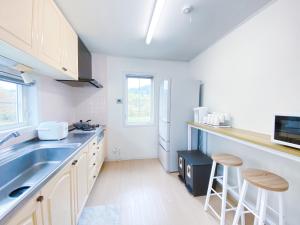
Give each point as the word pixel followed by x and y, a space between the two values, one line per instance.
pixel 286 130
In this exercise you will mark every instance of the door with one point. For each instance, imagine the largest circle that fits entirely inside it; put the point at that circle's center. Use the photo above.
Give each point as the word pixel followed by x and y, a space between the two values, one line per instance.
pixel 69 56
pixel 164 110
pixel 17 23
pixel 57 205
pixel 163 156
pixel 81 181
pixel 30 214
pixel 164 100
pixel 50 28
pixel 164 123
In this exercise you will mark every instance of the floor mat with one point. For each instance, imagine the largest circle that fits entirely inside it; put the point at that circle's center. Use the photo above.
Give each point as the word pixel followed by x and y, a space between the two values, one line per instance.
pixel 100 215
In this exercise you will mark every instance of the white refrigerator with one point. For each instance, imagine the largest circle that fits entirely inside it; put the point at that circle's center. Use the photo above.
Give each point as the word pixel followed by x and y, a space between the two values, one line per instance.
pixel 177 98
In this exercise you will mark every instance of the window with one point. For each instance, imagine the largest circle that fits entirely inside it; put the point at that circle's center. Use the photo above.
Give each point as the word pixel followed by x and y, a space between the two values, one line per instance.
pixel 139 100
pixel 13 105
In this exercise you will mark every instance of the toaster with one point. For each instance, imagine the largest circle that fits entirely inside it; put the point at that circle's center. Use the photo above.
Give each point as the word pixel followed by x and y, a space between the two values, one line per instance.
pixel 52 130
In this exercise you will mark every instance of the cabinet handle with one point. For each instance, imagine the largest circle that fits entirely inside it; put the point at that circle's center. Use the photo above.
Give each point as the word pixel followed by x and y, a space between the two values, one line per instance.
pixel 40 198
pixel 94 143
pixel 64 69
pixel 94 153
pixel 74 162
pixel 94 177
pixel 98 148
pixel 94 164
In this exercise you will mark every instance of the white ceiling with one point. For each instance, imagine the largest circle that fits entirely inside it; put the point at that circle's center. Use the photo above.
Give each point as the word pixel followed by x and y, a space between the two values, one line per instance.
pixel 118 27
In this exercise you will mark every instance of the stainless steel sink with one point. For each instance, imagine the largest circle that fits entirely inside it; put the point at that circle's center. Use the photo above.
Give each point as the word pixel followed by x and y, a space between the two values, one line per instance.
pixel 26 168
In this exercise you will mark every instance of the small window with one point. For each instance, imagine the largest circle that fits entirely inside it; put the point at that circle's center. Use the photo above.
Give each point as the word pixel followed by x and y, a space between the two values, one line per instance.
pixel 139 100
pixel 13 105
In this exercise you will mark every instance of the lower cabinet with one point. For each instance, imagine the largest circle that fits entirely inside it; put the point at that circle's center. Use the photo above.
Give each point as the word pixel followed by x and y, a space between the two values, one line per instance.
pixel 58 201
pixel 62 199
pixel 30 214
pixel 80 172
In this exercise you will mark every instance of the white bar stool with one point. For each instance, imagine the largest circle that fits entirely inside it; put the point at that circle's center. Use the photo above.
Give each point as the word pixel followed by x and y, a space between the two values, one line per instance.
pixel 226 160
pixel 265 182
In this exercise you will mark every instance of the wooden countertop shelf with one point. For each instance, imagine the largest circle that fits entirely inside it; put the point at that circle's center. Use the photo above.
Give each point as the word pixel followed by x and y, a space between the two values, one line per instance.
pixel 261 140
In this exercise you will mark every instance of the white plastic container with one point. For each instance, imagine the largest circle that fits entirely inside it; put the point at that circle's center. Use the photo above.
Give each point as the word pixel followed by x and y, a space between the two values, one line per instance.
pixel 52 130
pixel 199 114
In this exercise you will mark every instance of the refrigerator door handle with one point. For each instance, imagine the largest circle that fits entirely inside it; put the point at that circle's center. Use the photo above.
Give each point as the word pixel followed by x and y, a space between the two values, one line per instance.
pixel 163 139
pixel 165 121
pixel 162 147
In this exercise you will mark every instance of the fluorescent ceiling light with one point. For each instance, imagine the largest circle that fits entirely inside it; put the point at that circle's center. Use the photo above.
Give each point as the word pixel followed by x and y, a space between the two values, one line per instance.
pixel 159 4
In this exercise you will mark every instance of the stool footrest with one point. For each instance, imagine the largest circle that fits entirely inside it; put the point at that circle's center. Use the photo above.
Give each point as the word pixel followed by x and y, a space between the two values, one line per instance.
pixel 214 211
pixel 219 194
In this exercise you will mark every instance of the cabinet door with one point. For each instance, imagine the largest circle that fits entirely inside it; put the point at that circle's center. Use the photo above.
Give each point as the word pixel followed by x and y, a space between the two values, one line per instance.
pixel 58 202
pixel 30 214
pixel 69 56
pixel 17 23
pixel 50 43
pixel 81 181
pixel 100 148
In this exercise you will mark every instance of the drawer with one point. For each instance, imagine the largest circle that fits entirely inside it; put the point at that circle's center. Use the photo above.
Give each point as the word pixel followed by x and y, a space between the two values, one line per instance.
pixel 93 143
pixel 93 157
pixel 92 177
pixel 93 146
pixel 92 153
pixel 92 167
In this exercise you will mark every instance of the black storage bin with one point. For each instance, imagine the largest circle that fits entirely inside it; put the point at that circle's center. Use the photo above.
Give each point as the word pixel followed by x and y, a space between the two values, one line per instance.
pixel 196 171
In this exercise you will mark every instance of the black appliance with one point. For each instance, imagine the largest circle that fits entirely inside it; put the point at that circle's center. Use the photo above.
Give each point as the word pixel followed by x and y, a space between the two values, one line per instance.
pixel 85 77
pixel 287 130
pixel 85 126
pixel 194 169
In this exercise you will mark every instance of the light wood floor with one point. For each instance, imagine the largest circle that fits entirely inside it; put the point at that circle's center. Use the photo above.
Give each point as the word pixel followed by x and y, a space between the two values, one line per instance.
pixel 147 195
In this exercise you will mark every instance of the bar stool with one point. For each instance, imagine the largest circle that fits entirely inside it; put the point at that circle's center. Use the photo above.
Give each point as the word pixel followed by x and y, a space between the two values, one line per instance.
pixel 265 182
pixel 226 160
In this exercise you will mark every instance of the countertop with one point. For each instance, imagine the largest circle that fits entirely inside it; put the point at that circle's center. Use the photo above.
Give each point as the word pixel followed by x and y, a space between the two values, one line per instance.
pixel 81 139
pixel 254 138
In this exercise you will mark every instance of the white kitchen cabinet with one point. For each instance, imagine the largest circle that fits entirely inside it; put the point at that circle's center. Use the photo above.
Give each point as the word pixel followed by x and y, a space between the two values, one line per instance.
pixel 59 42
pixel 62 199
pixel 30 214
pixel 69 51
pixel 80 171
pixel 18 23
pixel 58 199
pixel 101 154
pixel 35 33
pixel 50 29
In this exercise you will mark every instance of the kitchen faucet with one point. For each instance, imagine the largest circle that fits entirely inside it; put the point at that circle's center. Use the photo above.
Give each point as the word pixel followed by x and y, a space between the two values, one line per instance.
pixel 9 136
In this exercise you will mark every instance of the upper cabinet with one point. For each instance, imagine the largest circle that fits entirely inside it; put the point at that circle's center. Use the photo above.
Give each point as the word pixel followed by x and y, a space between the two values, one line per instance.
pixel 59 42
pixel 49 27
pixel 35 33
pixel 69 53
pixel 18 23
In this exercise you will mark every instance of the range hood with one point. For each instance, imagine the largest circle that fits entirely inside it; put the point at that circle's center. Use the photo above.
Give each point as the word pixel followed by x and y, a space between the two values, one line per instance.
pixel 85 77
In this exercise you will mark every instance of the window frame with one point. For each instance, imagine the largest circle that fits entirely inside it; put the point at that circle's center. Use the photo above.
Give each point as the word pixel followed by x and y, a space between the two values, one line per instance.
pixel 125 102
pixel 23 122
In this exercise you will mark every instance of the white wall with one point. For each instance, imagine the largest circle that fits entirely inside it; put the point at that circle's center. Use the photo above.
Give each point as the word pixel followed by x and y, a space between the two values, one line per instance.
pixel 90 102
pixel 134 142
pixel 252 73
pixel 55 100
